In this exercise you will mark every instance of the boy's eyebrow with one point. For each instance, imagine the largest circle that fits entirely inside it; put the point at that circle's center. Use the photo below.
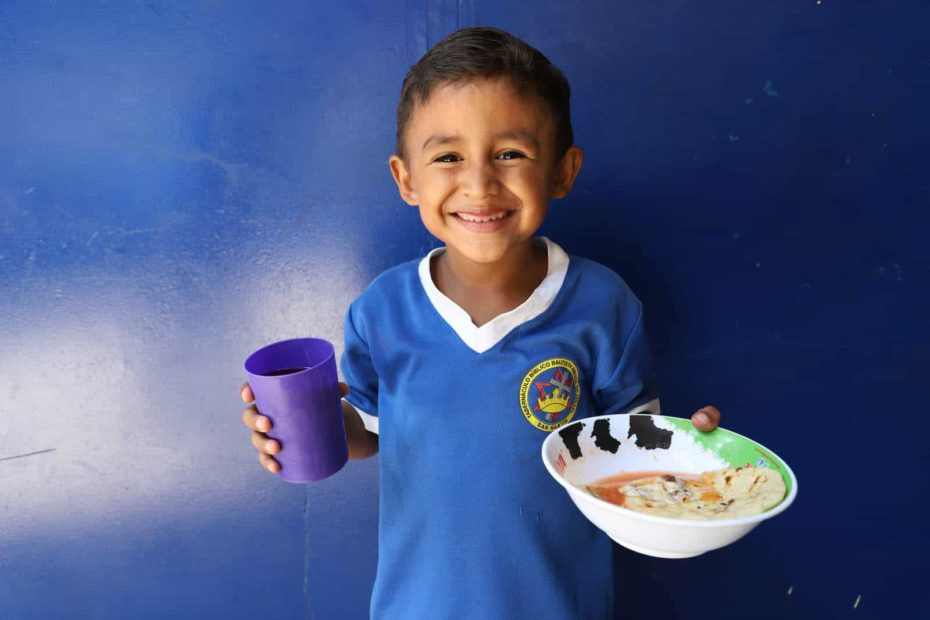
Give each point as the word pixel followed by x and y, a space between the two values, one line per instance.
pixel 439 139
pixel 520 136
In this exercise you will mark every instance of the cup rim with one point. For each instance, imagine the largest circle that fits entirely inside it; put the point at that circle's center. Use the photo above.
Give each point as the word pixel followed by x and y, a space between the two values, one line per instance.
pixel 331 353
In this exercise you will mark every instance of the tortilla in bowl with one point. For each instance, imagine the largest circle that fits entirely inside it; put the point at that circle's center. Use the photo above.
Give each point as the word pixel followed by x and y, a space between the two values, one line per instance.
pixel 728 493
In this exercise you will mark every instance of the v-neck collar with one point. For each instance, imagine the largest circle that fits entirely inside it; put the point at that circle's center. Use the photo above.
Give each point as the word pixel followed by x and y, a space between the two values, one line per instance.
pixel 480 339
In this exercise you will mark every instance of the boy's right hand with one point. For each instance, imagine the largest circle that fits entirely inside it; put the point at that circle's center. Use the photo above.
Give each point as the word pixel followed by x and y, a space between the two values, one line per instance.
pixel 260 425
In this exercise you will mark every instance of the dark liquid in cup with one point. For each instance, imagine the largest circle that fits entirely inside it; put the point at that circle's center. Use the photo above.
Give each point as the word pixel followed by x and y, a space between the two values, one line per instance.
pixel 283 371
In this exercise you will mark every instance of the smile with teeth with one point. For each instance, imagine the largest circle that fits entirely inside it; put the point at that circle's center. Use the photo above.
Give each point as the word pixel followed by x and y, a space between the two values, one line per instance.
pixel 470 217
pixel 483 222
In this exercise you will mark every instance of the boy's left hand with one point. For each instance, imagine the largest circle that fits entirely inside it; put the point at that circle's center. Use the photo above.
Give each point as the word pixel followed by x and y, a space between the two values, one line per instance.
pixel 706 418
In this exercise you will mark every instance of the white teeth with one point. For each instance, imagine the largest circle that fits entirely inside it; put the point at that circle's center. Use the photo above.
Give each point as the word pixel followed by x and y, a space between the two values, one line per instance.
pixel 473 218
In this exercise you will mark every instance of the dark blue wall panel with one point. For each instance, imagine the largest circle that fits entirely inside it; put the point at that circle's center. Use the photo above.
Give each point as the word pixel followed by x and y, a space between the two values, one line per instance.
pixel 183 182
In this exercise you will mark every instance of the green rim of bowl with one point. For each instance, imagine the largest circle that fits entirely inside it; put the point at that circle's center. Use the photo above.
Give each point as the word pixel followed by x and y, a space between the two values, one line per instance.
pixel 734 449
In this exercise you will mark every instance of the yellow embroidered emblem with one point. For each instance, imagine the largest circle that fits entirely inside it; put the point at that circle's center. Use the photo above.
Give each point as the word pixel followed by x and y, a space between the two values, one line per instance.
pixel 549 393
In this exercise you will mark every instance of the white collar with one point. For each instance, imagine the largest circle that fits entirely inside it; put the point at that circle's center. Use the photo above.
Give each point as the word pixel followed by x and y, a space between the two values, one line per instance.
pixel 480 339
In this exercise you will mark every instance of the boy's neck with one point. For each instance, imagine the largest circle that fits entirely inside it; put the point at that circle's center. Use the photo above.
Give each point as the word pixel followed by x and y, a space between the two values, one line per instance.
pixel 487 290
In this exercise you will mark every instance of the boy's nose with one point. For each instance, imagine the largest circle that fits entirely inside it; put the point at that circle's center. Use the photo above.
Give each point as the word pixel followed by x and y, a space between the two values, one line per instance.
pixel 480 180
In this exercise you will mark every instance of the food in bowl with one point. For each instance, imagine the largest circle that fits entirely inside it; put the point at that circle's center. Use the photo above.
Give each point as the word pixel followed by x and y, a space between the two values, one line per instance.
pixel 587 451
pixel 728 493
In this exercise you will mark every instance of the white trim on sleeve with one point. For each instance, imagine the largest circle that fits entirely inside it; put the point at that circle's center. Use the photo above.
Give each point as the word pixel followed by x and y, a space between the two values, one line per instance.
pixel 370 421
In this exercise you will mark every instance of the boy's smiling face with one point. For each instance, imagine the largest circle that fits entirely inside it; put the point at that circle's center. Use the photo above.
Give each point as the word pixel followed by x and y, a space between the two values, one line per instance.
pixel 480 162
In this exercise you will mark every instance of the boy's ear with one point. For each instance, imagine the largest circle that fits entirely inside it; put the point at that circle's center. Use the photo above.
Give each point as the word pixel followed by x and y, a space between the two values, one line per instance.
pixel 566 171
pixel 402 178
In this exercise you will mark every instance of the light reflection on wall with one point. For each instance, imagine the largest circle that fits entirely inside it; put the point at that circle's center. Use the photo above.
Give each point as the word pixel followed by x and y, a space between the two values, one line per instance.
pixel 299 291
pixel 74 390
pixel 95 378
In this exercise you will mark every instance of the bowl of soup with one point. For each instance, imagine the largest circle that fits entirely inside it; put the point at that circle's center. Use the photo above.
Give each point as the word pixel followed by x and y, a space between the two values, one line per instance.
pixel 659 486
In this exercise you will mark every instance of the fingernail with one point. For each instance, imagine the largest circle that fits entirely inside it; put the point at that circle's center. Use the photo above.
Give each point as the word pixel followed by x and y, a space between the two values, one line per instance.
pixel 269 446
pixel 701 419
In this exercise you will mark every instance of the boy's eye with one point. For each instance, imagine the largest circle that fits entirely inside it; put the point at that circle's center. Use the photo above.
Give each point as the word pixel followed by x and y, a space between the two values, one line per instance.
pixel 448 158
pixel 511 155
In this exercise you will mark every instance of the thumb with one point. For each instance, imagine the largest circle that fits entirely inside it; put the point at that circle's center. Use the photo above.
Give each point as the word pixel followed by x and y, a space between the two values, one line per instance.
pixel 343 388
pixel 706 418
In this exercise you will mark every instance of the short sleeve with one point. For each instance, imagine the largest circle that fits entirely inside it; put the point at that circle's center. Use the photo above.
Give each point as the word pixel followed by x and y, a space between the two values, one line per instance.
pixel 631 387
pixel 358 370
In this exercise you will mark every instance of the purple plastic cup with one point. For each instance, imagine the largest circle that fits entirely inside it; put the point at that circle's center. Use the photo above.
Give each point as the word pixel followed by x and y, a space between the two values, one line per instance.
pixel 296 385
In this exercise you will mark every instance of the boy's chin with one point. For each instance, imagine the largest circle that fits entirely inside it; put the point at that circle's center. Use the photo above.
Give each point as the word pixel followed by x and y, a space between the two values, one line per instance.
pixel 490 252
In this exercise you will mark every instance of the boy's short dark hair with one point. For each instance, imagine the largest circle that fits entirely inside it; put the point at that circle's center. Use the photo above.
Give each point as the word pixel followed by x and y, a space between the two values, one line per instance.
pixel 484 52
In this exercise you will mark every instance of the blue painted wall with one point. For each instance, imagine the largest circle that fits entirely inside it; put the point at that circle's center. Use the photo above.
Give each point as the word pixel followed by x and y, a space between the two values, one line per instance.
pixel 183 182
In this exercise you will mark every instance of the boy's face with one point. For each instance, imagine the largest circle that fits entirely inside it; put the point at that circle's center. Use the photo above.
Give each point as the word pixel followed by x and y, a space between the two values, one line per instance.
pixel 480 163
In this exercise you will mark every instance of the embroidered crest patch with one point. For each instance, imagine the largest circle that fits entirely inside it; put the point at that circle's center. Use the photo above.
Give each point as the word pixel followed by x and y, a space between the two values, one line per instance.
pixel 549 393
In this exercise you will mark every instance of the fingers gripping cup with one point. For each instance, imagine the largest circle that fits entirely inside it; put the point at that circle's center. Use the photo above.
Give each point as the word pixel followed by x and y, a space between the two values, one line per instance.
pixel 296 385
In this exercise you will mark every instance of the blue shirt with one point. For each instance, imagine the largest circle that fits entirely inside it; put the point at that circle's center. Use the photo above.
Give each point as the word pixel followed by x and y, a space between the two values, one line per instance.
pixel 471 523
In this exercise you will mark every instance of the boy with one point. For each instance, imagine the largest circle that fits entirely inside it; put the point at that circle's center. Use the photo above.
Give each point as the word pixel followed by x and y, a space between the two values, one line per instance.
pixel 458 364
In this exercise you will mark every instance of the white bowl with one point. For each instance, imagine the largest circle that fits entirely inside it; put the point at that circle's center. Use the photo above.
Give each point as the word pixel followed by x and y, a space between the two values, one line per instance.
pixel 592 449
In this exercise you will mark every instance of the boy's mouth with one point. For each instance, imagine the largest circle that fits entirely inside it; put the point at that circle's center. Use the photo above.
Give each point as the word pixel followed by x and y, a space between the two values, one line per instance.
pixel 482 222
pixel 471 217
